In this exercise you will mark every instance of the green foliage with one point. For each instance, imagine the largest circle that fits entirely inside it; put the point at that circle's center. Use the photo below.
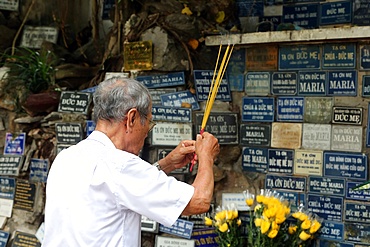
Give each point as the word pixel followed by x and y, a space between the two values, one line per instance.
pixel 32 69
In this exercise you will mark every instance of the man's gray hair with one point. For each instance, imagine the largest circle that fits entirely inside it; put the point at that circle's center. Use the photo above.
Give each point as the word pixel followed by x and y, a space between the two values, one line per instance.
pixel 114 97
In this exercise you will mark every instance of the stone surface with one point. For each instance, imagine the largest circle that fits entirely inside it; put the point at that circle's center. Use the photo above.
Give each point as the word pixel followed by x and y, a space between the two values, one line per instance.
pixel 168 56
pixel 41 103
pixel 6 37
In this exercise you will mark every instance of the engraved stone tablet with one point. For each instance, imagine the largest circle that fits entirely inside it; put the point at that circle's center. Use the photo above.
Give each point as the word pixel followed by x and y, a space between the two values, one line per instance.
pixel 157 92
pixel 326 185
pixel 173 242
pixel 342 83
pixel 109 75
pixel 308 162
pixel 25 195
pixel 77 102
pixel 365 54
pixel 23 239
pixel 290 109
pixel 255 159
pixel 162 80
pixel 332 230
pixel 224 126
pixel 347 115
pixel 299 57
pixel 339 55
pixel 327 207
pixel 318 110
pixel 9 5
pixel 346 138
pixel 293 183
pixel 346 165
pixel 316 136
pixel 258 109
pixel 358 195
pixel 262 58
pixel 280 160
pixel 312 83
pixel 366 85
pixel 34 36
pixel 286 135
pixel 357 212
pixel 170 134
pixel 255 134
pixel 138 55
pixel 257 83
pixel 284 83
pixel 10 165
pixel 358 233
pixel 181 228
pixel 68 133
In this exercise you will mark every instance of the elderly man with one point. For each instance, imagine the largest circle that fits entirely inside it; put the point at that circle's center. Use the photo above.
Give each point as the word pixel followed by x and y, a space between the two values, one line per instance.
pixel 98 189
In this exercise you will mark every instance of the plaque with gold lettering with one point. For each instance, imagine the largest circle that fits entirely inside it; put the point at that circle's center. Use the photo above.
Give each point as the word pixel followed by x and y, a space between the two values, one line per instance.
pixel 25 195
pixel 23 239
pixel 262 58
pixel 138 55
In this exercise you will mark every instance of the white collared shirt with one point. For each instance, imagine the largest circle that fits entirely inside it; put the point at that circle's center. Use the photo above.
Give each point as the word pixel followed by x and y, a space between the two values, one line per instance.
pixel 96 194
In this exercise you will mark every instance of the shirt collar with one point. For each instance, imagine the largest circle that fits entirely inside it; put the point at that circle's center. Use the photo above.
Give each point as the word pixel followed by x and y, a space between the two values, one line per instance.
pixel 101 137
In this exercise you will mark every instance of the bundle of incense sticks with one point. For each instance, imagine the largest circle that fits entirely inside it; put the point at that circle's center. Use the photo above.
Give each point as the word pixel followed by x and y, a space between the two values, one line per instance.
pixel 218 74
pixel 363 186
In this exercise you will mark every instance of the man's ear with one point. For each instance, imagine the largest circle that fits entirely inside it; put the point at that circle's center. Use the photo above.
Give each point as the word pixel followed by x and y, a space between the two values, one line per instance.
pixel 131 117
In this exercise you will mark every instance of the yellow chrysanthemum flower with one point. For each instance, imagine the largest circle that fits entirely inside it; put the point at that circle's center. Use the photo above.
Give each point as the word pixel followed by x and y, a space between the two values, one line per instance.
pixel 239 222
pixel 297 215
pixel 275 226
pixel 224 227
pixel 220 215
pixel 208 221
pixel 304 236
pixel 272 202
pixel 249 202
pixel 315 226
pixel 306 224
pixel 265 226
pixel 287 210
pixel 267 200
pixel 257 207
pixel 270 213
pixel 235 214
pixel 260 198
pixel 292 229
pixel 257 222
pixel 280 219
pixel 303 217
pixel 272 233
pixel 229 214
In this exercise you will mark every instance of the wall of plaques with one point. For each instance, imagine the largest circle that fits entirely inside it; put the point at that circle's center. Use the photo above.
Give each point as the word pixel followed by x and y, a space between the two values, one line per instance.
pixel 304 124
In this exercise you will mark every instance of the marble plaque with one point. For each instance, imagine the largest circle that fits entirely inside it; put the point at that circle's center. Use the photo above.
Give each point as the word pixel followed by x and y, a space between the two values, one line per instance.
pixel 308 162
pixel 316 136
pixel 346 138
pixel 318 109
pixel 286 135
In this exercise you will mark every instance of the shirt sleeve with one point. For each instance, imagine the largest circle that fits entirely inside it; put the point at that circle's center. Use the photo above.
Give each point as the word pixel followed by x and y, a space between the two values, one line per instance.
pixel 140 187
